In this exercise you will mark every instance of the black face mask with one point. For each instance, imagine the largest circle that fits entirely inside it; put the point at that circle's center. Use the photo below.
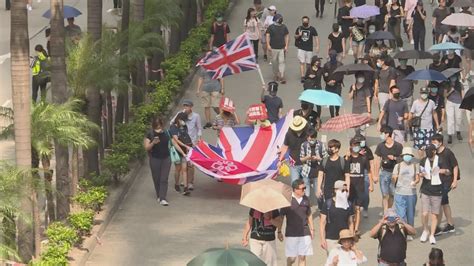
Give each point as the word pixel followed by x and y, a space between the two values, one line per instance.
pixel 305 24
pixel 396 95
pixel 304 106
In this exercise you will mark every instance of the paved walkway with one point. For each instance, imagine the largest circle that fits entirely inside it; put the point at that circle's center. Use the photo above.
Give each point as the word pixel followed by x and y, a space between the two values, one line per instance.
pixel 144 233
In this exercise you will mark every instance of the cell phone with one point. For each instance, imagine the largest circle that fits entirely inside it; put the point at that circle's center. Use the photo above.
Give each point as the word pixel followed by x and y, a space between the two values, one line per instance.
pixel 391 219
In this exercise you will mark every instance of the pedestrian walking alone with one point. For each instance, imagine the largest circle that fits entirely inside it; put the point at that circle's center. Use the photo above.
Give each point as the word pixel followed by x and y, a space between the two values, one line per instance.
pixel 252 27
pixel 419 28
pixel 306 40
pixel 277 42
pixel 333 80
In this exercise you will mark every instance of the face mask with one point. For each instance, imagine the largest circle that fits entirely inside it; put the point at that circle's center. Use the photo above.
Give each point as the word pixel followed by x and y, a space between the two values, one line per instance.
pixel 333 59
pixel 182 123
pixel 304 106
pixel 382 136
pixel 360 80
pixel 379 65
pixel 312 142
pixel 424 96
pixel 362 143
pixel 341 195
pixel 379 42
pixel 403 62
pixel 434 90
pixel 356 149
pixel 437 145
pixel 280 21
pixel 407 158
pixel 396 95
pixel 305 24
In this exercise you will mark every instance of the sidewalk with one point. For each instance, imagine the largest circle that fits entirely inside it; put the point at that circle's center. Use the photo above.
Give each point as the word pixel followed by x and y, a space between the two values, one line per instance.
pixel 144 233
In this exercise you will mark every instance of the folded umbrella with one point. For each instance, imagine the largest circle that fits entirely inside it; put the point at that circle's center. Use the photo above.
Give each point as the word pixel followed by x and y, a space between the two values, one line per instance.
pixel 364 11
pixel 459 19
pixel 321 97
pixel 353 69
pixel 413 54
pixel 345 121
pixel 468 100
pixel 381 35
pixel 451 71
pixel 426 74
pixel 68 12
pixel 463 3
pixel 226 257
pixel 265 195
pixel 446 46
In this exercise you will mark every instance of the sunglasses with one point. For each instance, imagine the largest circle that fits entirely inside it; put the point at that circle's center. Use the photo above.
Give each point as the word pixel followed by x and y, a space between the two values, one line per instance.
pixel 302 188
pixel 345 190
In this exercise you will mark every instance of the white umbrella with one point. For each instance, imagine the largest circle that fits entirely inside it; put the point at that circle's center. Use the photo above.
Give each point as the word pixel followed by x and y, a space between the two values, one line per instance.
pixel 459 19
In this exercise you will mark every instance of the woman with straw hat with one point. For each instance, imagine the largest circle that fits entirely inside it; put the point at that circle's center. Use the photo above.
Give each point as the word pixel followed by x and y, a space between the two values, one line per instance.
pixel 347 253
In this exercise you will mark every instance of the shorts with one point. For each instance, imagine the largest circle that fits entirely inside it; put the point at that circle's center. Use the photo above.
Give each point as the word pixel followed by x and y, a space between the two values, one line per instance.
pixel 446 187
pixel 355 43
pixel 298 246
pixel 421 138
pixel 430 204
pixel 263 40
pixel 345 32
pixel 210 99
pixel 182 161
pixel 386 186
pixel 304 56
pixel 357 191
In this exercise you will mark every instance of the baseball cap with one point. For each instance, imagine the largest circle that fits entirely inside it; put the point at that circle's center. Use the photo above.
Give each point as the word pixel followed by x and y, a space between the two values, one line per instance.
pixel 355 140
pixel 277 17
pixel 187 102
pixel 424 90
pixel 339 184
pixel 272 7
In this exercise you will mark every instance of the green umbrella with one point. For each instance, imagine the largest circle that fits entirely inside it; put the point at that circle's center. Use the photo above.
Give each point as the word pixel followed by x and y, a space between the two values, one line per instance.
pixel 226 257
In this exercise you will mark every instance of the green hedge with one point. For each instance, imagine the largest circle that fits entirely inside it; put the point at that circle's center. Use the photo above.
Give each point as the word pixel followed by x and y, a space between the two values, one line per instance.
pixel 128 145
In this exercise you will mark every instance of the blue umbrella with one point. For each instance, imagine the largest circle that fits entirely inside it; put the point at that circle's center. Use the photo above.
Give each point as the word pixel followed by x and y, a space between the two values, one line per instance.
pixel 426 74
pixel 321 97
pixel 446 46
pixel 69 12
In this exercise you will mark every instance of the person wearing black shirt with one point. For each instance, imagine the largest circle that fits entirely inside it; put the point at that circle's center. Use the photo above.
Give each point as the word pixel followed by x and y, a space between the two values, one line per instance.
pixel 438 99
pixel 419 29
pixel 355 167
pixel 183 143
pixel 345 20
pixel 406 86
pixel 452 60
pixel 262 227
pixel 437 65
pixel 309 114
pixel 368 154
pixel 156 144
pixel 330 171
pixel 219 32
pixel 336 215
pixel 333 80
pixel 319 5
pixel 449 175
pixel 394 20
pixel 305 37
pixel 313 76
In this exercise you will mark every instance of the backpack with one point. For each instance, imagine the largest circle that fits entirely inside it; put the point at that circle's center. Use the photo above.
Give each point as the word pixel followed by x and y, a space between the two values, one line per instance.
pixel 224 25
pixel 384 231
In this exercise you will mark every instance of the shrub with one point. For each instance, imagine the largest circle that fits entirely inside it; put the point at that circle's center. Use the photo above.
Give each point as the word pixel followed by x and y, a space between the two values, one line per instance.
pixel 92 199
pixel 53 255
pixel 82 222
pixel 62 235
pixel 116 164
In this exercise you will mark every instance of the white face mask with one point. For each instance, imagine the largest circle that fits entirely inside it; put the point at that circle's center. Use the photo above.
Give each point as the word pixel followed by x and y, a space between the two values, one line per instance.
pixel 182 123
pixel 424 96
pixel 341 195
pixel 360 80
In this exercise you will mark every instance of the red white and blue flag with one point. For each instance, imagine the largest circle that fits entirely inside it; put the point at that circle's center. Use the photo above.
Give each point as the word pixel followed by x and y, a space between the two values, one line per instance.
pixel 233 57
pixel 242 154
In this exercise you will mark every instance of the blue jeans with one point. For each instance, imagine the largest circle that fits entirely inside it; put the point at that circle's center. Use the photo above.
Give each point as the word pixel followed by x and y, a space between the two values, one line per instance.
pixel 365 198
pixel 386 185
pixel 295 173
pixel 405 207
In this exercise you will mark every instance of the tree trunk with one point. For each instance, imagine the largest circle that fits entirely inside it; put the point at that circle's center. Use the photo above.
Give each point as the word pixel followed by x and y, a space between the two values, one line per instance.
pixel 199 11
pixel 94 27
pixel 20 72
pixel 140 78
pixel 36 224
pixel 184 24
pixel 125 71
pixel 60 95
pixel 48 182
pixel 110 119
pixel 74 171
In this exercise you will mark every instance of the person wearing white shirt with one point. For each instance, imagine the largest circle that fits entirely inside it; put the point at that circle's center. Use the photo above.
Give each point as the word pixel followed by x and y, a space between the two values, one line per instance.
pixel 346 254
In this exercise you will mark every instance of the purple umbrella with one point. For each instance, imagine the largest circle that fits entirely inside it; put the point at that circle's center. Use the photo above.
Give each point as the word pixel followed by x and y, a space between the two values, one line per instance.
pixel 364 11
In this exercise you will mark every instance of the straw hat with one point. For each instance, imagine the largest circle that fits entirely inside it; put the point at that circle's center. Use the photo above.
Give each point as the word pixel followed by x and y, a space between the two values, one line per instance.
pixel 408 151
pixel 298 123
pixel 346 234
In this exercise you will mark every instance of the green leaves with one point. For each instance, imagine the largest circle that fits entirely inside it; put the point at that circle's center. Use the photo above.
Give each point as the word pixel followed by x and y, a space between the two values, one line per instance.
pixel 82 222
pixel 61 235
pixel 91 199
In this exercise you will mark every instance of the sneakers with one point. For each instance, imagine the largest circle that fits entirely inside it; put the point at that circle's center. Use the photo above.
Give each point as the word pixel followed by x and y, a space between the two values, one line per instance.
pixel 412 42
pixel 177 188
pixel 409 238
pixel 432 240
pixel 424 236
pixel 207 125
pixel 448 229
pixel 302 80
pixel 29 7
pixel 186 192
pixel 350 52
pixel 458 135
pixel 191 186
pixel 438 231
pixel 365 213
pixel 265 58
pixel 450 139
pixel 164 203
pixel 400 49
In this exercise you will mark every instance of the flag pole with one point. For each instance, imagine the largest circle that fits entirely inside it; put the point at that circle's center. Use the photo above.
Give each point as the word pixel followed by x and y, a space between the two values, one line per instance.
pixel 260 74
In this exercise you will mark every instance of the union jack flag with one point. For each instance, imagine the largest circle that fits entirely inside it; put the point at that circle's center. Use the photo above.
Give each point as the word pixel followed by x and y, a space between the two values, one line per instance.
pixel 242 154
pixel 231 58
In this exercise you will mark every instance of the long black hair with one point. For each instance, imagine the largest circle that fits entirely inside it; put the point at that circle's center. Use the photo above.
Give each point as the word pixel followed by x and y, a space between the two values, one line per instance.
pixel 249 11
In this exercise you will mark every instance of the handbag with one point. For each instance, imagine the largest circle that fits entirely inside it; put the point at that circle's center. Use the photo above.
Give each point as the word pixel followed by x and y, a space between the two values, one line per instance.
pixel 416 121
pixel 174 154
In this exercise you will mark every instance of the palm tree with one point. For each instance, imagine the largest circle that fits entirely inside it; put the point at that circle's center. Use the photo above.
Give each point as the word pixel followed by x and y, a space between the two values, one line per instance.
pixel 138 75
pixel 94 28
pixel 20 71
pixel 60 95
pixel 122 113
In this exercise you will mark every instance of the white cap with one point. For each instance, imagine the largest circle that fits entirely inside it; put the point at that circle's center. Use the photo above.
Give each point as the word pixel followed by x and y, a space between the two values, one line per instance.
pixel 272 8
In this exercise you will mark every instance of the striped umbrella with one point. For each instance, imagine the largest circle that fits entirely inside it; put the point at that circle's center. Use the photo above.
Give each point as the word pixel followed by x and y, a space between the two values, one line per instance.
pixel 345 121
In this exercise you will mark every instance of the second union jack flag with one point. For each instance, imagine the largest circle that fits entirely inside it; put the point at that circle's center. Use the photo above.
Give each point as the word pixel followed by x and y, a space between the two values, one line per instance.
pixel 231 58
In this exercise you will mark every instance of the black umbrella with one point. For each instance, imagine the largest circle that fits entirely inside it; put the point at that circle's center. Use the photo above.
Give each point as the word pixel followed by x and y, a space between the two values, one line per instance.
pixel 413 54
pixel 353 68
pixel 463 3
pixel 468 100
pixel 381 35
pixel 450 71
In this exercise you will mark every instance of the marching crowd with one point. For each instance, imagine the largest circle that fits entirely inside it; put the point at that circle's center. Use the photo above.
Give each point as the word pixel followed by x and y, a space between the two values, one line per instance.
pixel 342 180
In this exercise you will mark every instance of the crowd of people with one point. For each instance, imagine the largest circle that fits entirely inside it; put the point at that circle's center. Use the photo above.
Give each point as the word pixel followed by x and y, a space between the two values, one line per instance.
pixel 411 155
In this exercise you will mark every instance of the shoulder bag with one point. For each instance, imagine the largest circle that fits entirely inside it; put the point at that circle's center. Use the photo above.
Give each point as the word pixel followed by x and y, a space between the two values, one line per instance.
pixel 174 154
pixel 416 121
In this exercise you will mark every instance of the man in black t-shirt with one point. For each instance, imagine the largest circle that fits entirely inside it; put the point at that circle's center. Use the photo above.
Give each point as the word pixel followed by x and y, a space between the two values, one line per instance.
pixel 336 215
pixel 355 168
pixel 345 20
pixel 305 37
pixel 277 42
pixel 330 171
pixel 273 103
pixel 309 114
pixel 295 136
pixel 219 32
